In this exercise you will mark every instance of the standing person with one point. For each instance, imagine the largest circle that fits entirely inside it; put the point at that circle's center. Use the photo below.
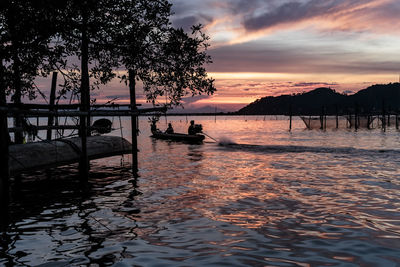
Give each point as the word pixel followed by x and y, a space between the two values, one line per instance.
pixel 191 129
pixel 154 127
pixel 169 130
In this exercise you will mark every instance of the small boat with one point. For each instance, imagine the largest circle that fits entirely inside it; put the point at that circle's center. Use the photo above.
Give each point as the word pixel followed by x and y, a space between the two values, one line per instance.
pixel 196 138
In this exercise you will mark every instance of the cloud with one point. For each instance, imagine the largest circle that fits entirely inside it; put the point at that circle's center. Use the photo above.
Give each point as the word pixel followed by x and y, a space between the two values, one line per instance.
pixel 294 12
pixel 305 84
pixel 194 99
pixel 117 96
pixel 187 22
pixel 302 58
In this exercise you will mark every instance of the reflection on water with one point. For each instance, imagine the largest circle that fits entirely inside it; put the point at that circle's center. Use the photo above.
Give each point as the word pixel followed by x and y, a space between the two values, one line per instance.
pixel 265 197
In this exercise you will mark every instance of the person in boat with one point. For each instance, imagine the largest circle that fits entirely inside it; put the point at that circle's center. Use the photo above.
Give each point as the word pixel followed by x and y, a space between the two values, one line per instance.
pixel 169 130
pixel 191 129
pixel 154 127
pixel 194 128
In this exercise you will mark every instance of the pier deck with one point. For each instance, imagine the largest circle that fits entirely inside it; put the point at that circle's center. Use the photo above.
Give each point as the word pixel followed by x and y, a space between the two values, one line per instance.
pixel 54 153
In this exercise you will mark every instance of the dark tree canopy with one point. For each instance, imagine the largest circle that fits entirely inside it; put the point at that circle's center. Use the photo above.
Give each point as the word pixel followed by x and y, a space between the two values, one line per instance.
pixel 37 36
pixel 25 44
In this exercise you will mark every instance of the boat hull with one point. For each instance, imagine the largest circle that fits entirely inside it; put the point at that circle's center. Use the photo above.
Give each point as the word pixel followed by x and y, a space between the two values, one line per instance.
pixel 179 137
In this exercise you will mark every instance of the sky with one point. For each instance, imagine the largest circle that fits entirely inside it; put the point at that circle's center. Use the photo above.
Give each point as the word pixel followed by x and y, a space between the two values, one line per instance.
pixel 273 47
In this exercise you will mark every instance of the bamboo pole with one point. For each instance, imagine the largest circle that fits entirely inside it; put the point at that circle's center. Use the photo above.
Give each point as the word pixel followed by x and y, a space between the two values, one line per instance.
pixel 50 120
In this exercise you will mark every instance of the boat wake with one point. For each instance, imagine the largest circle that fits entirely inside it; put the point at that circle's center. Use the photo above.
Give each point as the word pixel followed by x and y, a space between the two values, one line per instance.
pixel 306 149
pixel 225 141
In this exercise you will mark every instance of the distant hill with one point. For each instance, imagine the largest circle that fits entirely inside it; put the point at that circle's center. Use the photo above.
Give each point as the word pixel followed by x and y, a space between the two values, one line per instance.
pixel 314 102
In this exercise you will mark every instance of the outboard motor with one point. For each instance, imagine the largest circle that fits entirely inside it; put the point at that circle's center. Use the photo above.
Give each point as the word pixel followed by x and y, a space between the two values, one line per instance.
pixel 198 128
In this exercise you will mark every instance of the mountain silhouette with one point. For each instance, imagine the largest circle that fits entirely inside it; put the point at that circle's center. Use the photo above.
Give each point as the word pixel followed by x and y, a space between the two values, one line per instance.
pixel 329 102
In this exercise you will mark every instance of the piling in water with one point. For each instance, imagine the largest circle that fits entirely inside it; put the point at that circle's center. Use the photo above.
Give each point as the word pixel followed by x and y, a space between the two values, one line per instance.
pixel 50 119
pixel 134 120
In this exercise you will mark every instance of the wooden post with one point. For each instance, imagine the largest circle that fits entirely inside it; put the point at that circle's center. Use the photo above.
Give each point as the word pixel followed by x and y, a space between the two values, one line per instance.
pixel 85 101
pixel 356 117
pixel 397 121
pixel 337 117
pixel 350 118
pixel 18 137
pixel 132 93
pixel 290 117
pixel 321 117
pixel 383 116
pixel 4 143
pixel 50 120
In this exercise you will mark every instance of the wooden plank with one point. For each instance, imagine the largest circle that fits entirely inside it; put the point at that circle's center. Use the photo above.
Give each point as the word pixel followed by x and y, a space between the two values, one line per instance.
pixel 67 106
pixel 44 127
pixel 47 154
pixel 96 113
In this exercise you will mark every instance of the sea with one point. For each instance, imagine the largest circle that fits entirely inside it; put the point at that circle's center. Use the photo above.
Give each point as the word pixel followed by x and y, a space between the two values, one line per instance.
pixel 252 194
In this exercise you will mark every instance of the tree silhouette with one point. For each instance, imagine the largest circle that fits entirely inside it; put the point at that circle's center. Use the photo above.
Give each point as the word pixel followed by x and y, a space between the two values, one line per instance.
pixel 25 47
pixel 169 62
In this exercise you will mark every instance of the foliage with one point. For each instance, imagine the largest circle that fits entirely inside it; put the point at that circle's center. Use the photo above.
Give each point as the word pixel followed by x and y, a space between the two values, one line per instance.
pixel 168 61
pixel 88 40
pixel 25 44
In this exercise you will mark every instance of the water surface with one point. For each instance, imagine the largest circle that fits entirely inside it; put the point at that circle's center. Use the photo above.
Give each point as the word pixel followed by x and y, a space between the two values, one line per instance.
pixel 265 197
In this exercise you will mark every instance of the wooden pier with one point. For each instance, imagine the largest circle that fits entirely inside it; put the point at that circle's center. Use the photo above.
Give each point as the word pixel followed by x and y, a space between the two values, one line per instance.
pixel 18 158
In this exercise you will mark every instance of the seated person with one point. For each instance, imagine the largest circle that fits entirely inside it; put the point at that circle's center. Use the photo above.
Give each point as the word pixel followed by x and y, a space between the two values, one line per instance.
pixel 191 129
pixel 169 130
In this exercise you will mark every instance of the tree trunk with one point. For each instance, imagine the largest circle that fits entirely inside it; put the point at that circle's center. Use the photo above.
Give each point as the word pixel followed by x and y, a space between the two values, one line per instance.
pixel 85 99
pixel 19 138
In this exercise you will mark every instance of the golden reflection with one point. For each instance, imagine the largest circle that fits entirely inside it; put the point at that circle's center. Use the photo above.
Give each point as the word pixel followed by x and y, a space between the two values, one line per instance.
pixel 299 194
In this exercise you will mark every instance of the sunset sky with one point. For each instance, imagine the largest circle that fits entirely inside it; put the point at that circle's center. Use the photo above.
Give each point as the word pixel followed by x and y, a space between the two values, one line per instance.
pixel 271 47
